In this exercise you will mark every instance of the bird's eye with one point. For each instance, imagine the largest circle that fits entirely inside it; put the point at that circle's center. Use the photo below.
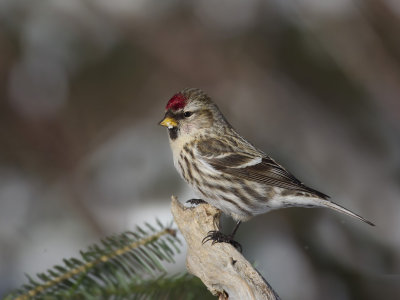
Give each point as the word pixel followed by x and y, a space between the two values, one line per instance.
pixel 187 114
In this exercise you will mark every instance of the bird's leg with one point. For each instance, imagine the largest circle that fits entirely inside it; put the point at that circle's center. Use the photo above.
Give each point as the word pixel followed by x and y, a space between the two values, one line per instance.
pixel 196 201
pixel 235 229
pixel 217 236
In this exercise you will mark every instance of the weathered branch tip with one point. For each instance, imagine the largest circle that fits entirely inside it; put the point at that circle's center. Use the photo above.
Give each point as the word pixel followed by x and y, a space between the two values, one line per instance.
pixel 224 270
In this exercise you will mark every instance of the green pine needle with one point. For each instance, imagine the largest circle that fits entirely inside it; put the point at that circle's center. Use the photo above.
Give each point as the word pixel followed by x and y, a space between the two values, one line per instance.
pixel 124 266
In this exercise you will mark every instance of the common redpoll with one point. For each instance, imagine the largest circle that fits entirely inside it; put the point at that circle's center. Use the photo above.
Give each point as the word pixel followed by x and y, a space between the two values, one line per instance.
pixel 227 171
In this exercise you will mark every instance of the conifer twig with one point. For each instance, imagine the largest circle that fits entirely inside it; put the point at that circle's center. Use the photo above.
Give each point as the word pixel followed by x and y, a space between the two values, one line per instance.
pixel 131 260
pixel 224 270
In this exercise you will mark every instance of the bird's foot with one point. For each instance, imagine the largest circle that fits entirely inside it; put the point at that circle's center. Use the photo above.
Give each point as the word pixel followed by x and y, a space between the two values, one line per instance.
pixel 218 237
pixel 196 201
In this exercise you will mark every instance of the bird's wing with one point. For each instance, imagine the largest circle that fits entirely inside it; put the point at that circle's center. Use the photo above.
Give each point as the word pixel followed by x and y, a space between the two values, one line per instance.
pixel 233 160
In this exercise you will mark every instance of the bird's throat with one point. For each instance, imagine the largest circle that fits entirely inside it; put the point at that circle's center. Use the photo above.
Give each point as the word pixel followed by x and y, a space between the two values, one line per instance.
pixel 173 133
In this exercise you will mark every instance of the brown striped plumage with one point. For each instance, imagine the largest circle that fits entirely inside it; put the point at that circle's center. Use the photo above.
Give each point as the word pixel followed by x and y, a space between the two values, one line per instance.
pixel 227 171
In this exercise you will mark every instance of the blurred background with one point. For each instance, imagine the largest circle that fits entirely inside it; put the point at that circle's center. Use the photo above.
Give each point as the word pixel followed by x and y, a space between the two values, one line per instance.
pixel 314 83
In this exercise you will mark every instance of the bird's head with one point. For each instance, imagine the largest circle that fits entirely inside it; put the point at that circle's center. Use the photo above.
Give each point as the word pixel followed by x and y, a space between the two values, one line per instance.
pixel 189 112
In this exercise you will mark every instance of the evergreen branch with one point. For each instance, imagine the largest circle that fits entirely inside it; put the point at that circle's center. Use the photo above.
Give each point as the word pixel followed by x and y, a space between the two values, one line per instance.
pixel 183 286
pixel 121 262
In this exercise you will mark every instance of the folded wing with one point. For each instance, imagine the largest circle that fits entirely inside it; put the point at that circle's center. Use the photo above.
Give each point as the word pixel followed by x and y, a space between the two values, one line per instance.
pixel 252 166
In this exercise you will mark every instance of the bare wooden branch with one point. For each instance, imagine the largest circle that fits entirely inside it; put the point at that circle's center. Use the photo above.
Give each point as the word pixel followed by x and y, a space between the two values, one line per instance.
pixel 224 270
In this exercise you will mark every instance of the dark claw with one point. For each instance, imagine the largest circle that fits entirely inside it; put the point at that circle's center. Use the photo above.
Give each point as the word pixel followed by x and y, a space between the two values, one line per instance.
pixel 196 201
pixel 209 236
pixel 218 237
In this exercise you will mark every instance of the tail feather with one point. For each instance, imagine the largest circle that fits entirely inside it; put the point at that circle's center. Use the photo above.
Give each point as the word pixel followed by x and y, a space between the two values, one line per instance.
pixel 341 209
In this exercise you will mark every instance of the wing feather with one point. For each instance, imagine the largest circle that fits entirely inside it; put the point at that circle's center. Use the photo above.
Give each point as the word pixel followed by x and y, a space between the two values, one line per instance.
pixel 255 166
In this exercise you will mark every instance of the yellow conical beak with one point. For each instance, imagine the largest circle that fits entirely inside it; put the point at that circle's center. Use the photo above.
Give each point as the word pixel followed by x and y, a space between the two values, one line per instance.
pixel 169 122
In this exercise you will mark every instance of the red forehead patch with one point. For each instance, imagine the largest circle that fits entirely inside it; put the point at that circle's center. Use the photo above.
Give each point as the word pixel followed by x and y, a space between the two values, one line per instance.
pixel 178 101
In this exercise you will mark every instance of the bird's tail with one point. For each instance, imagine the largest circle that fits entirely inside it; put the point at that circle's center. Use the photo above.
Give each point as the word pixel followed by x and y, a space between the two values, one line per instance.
pixel 337 207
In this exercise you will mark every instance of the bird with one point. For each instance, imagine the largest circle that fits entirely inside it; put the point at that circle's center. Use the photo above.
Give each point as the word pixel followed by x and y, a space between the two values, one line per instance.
pixel 226 170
